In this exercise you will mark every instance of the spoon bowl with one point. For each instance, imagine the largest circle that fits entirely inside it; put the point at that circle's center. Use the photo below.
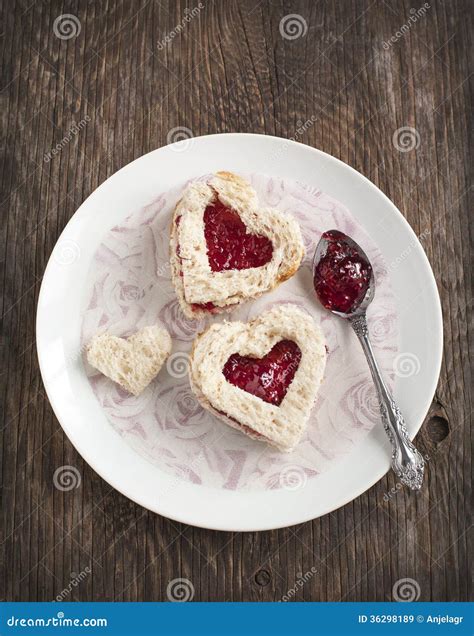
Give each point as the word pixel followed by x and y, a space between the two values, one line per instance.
pixel 321 251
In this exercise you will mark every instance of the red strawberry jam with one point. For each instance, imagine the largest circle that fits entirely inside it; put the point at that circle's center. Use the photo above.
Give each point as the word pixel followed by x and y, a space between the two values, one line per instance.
pixel 342 276
pixel 203 306
pixel 269 377
pixel 229 245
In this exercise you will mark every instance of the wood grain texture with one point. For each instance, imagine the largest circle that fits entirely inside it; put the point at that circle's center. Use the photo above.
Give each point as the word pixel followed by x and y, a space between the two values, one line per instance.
pixel 230 69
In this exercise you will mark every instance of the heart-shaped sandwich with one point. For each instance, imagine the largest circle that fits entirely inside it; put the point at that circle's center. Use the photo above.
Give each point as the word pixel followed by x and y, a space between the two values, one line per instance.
pixel 261 377
pixel 226 249
pixel 132 362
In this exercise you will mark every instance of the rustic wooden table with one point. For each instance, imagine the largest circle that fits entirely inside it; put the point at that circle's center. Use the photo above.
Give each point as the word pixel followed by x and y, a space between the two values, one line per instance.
pixel 83 95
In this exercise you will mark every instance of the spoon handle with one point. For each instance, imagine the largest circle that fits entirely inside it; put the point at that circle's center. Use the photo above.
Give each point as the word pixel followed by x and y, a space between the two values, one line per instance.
pixel 407 461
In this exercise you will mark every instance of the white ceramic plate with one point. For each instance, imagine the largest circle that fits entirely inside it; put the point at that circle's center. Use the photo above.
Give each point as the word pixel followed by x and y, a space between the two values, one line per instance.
pixel 59 324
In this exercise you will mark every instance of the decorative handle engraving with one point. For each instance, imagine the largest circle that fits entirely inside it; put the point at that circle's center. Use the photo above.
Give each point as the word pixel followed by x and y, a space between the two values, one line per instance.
pixel 407 462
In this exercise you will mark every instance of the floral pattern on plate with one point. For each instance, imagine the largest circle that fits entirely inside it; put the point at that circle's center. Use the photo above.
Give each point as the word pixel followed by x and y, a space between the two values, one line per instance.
pixel 130 288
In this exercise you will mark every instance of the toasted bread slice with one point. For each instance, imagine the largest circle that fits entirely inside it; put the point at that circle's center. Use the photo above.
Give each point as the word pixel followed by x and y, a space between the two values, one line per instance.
pixel 280 425
pixel 202 290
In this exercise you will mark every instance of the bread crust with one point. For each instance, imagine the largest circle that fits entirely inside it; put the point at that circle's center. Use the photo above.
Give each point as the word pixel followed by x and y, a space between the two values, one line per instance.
pixel 281 426
pixel 194 281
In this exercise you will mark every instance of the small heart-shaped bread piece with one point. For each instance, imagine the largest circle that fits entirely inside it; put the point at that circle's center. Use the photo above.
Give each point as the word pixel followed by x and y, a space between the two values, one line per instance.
pixel 225 248
pixel 132 362
pixel 271 397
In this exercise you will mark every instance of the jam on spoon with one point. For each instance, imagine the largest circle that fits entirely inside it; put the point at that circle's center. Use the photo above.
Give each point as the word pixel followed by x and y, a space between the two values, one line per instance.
pixel 229 244
pixel 342 274
pixel 269 377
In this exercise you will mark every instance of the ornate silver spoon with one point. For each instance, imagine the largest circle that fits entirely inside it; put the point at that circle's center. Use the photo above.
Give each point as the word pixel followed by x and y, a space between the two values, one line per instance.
pixel 345 284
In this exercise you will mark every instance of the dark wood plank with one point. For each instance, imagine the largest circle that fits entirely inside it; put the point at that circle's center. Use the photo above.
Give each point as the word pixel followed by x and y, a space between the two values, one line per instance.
pixel 230 70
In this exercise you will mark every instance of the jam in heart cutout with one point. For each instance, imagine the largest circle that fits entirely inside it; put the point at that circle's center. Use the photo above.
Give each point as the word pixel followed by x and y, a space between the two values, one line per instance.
pixel 269 377
pixel 229 245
